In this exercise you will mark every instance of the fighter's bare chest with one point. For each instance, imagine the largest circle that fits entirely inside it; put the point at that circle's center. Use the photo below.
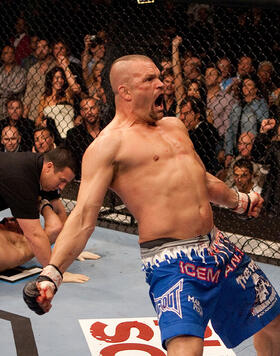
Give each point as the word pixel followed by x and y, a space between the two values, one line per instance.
pixel 155 147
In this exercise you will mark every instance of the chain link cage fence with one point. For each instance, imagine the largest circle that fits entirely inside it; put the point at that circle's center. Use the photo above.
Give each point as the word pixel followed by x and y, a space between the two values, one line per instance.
pixel 220 67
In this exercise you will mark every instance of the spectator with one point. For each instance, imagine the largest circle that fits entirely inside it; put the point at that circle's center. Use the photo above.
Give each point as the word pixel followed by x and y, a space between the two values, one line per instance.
pixel 36 79
pixel 246 116
pixel 204 136
pixel 182 85
pixel 103 36
pixel 93 65
pixel 30 60
pixel 165 64
pixel 274 99
pixel 21 42
pixel 225 67
pixel 264 81
pixel 220 104
pixel 43 140
pixel 57 101
pixel 24 126
pixel 169 101
pixel 196 89
pixel 10 139
pixel 60 48
pixel 244 146
pixel 266 150
pixel 245 67
pixel 94 82
pixel 93 53
pixel 243 177
pixel 62 55
pixel 190 69
pixel 12 78
pixel 81 136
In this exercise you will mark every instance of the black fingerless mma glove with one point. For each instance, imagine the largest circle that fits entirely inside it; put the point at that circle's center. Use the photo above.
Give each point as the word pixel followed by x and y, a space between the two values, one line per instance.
pixel 30 292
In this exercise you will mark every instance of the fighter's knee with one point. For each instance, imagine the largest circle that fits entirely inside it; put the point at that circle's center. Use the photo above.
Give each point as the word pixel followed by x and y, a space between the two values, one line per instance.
pixel 273 327
pixel 58 228
pixel 53 230
pixel 185 346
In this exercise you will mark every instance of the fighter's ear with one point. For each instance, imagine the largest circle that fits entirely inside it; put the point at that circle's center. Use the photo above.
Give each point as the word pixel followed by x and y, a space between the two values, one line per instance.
pixel 124 92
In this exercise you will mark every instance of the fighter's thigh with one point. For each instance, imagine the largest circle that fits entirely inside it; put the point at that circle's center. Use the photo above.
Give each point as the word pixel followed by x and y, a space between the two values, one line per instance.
pixel 184 305
pixel 248 302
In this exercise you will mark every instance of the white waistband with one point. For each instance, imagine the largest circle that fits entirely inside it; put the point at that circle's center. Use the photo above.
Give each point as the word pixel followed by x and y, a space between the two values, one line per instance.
pixel 174 249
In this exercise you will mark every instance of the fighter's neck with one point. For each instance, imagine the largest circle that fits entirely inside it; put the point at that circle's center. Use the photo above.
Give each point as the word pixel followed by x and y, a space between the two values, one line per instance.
pixel 130 119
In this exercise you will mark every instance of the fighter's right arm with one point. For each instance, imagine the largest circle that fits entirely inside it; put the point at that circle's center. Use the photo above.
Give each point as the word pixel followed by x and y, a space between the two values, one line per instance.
pixel 97 175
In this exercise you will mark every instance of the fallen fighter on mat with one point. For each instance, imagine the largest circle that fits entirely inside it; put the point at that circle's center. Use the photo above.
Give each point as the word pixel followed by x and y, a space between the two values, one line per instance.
pixel 15 250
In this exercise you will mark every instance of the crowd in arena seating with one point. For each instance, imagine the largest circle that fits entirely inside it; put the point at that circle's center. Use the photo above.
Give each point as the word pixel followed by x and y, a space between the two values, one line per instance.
pixel 49 97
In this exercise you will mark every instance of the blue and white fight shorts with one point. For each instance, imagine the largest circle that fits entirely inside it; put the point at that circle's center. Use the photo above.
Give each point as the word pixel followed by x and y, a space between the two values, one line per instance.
pixel 207 277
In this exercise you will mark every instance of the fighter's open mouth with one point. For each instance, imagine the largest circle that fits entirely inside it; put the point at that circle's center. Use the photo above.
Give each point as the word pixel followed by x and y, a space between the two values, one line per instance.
pixel 159 100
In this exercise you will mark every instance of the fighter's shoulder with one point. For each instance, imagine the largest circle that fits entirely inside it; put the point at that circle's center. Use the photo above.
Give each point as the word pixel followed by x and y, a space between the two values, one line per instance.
pixel 172 121
pixel 107 143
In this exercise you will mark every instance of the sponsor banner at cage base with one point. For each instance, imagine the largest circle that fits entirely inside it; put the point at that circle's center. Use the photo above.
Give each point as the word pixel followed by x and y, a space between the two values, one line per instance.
pixel 137 337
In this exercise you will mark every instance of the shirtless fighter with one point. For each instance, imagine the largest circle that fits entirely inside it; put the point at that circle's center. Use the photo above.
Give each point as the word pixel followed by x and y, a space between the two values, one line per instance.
pixel 150 162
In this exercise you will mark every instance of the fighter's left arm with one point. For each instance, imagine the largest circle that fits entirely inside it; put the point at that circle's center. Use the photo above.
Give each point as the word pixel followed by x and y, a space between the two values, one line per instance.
pixel 241 203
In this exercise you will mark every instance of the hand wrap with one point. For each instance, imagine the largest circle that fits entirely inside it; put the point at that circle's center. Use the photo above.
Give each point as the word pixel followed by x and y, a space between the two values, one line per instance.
pixel 50 274
pixel 245 202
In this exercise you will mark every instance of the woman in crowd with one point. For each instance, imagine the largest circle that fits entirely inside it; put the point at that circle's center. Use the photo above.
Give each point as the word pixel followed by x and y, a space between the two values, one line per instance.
pixel 169 99
pixel 57 101
pixel 92 66
pixel 195 88
pixel 94 82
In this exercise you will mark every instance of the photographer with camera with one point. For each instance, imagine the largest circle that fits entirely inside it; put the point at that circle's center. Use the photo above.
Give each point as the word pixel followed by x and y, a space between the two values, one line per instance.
pixel 94 51
pixel 92 65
